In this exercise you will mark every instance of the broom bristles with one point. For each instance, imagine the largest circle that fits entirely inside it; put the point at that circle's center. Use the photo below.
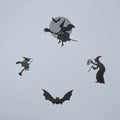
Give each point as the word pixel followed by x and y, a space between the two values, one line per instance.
pixel 47 30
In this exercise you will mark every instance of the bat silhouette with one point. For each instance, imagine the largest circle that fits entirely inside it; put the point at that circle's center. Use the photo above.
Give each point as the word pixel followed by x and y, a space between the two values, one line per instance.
pixel 56 20
pixel 57 100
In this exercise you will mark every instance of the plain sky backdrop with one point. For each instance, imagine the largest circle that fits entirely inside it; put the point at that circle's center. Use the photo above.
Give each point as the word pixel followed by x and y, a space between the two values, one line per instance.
pixel 59 69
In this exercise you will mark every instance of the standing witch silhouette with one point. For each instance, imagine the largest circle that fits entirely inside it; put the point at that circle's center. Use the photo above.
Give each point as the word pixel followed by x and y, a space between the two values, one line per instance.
pixel 25 64
pixel 100 66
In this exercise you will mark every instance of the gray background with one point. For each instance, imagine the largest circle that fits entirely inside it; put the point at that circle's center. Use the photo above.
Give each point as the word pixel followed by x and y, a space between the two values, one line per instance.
pixel 59 69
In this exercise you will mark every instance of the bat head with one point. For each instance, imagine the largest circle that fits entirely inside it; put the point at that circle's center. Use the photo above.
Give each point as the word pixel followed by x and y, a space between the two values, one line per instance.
pixel 57 98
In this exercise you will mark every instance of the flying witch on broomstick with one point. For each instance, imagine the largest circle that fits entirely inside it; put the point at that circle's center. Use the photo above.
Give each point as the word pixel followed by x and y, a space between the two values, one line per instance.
pixel 63 34
pixel 25 64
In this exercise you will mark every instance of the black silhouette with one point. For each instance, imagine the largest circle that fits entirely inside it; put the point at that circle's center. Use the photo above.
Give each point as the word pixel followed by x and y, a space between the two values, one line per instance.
pixel 27 59
pixel 57 100
pixel 65 29
pixel 63 35
pixel 25 64
pixel 56 20
pixel 100 66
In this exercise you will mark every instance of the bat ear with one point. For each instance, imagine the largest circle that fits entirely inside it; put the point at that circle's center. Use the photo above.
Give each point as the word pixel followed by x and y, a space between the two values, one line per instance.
pixel 43 90
pixel 71 91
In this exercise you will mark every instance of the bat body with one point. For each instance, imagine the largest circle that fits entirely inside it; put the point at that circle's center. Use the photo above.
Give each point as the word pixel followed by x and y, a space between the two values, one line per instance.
pixel 57 100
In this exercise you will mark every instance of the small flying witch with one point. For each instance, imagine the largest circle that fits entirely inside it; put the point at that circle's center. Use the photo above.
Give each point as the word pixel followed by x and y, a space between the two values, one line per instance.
pixel 101 69
pixel 25 64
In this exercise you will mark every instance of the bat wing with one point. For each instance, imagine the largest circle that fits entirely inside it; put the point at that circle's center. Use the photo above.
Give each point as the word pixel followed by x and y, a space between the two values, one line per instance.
pixel 48 96
pixel 66 96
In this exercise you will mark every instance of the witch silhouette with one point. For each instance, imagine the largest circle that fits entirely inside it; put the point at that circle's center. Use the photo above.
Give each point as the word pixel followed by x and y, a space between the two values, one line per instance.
pixel 25 64
pixel 101 69
pixel 63 35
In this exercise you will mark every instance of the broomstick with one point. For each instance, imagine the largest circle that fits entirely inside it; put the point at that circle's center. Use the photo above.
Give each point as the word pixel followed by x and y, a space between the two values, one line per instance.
pixel 73 40
pixel 90 68
pixel 88 63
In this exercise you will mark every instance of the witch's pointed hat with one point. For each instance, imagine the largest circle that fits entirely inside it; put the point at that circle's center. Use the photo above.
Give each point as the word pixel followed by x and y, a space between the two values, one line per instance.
pixel 27 59
pixel 97 58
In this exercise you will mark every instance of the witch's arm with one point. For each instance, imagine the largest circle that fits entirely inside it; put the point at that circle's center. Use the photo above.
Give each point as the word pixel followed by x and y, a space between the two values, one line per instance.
pixel 93 63
pixel 94 68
